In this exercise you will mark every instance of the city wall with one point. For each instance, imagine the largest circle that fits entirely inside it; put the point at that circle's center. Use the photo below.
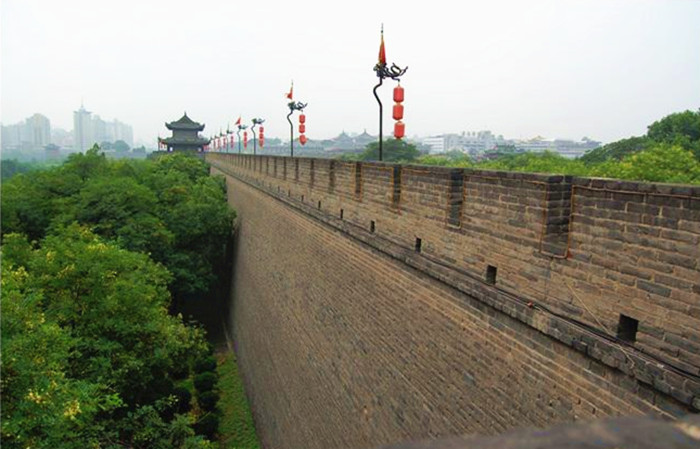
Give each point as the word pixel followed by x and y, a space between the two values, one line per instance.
pixel 375 303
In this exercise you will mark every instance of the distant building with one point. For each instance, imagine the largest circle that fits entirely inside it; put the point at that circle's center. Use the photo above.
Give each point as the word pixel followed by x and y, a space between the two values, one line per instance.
pixel 104 131
pixel 472 142
pixel 83 138
pixel 62 138
pixel 567 148
pixel 38 131
pixel 345 143
pixel 537 144
pixel 89 129
pixel 185 135
pixel 30 136
pixel 436 144
pixel 572 150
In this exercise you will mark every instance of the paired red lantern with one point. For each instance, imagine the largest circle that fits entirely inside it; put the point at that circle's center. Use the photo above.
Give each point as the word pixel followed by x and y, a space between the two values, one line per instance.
pixel 399 126
pixel 302 128
pixel 261 137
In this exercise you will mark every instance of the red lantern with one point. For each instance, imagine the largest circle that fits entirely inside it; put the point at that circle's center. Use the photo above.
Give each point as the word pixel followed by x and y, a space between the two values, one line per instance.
pixel 398 94
pixel 262 140
pixel 302 139
pixel 262 130
pixel 398 111
pixel 399 129
pixel 302 118
pixel 245 139
pixel 302 128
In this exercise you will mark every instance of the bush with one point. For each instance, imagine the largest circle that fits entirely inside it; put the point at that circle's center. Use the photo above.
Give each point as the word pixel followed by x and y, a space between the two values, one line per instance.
pixel 207 425
pixel 184 398
pixel 205 382
pixel 208 400
pixel 205 364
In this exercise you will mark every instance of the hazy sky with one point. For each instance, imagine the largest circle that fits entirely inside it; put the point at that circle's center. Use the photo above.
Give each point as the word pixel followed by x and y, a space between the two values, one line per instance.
pixel 604 69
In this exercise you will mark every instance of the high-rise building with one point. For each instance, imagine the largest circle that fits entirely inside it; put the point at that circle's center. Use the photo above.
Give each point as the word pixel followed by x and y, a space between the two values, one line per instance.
pixel 38 131
pixel 122 131
pixel 82 130
pixel 32 134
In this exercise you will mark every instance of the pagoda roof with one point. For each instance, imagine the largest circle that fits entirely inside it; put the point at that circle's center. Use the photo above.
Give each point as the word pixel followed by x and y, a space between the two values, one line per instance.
pixel 185 123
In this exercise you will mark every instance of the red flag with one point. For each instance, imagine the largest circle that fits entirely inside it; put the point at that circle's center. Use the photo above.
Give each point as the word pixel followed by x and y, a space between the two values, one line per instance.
pixel 291 91
pixel 238 122
pixel 382 52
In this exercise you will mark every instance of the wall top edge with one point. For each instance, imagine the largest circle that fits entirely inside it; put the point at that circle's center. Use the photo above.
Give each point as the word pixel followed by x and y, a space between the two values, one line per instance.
pixel 579 181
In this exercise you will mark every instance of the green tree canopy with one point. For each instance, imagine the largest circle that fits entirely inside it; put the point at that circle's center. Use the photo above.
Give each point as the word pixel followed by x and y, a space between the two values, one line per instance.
pixel 168 207
pixel 94 346
pixel 617 150
pixel 121 146
pixel 393 150
pixel 681 129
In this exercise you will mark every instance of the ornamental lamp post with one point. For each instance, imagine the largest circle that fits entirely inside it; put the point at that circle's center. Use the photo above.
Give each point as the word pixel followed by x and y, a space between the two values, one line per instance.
pixel 256 121
pixel 298 106
pixel 395 73
pixel 241 127
pixel 295 106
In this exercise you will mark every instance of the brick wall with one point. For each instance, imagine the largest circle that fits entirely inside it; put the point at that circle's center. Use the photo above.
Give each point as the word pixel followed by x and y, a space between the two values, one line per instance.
pixel 442 290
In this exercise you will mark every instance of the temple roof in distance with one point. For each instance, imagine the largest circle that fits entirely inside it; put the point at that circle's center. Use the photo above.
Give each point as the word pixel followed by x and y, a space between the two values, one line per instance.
pixel 184 123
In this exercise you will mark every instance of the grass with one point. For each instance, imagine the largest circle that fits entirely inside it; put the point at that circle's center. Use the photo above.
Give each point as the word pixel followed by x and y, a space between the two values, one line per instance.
pixel 236 429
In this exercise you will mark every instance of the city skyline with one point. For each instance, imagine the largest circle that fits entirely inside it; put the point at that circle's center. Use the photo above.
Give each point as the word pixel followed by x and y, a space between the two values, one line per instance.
pixel 559 69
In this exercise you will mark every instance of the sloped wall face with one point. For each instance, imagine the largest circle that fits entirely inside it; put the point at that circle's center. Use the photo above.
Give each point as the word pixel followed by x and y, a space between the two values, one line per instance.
pixel 352 333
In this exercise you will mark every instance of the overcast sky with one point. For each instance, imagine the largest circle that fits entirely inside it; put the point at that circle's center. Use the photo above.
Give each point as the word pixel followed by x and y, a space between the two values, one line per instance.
pixel 561 69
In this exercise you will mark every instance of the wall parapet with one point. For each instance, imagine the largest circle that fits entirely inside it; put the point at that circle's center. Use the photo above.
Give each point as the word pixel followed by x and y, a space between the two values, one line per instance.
pixel 610 268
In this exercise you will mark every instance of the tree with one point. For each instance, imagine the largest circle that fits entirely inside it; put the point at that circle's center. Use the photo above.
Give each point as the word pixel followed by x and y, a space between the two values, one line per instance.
pixel 41 405
pixel 681 129
pixel 660 163
pixel 93 317
pixel 616 150
pixel 120 146
pixel 394 150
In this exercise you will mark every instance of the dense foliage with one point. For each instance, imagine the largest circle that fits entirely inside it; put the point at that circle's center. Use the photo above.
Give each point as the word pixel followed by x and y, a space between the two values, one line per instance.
pixel 91 355
pixel 169 208
pixel 393 150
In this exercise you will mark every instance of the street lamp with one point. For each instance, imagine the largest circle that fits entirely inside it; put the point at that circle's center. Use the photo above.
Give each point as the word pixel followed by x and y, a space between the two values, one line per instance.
pixel 238 133
pixel 256 121
pixel 293 106
pixel 383 71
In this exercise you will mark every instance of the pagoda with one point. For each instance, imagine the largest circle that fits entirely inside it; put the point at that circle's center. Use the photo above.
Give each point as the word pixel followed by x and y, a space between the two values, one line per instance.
pixel 185 135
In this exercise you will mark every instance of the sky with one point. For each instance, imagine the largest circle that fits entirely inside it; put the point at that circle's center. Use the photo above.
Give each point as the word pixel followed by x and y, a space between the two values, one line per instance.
pixel 604 69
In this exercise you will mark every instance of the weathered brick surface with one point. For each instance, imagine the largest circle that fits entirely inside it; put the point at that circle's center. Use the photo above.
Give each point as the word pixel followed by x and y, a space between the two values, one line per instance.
pixel 342 331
